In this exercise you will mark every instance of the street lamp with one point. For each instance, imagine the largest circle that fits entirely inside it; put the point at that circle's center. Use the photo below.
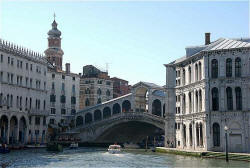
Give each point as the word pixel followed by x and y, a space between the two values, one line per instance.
pixel 226 129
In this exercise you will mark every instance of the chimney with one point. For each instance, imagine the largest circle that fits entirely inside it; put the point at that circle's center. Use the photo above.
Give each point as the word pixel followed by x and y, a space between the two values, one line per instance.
pixel 67 68
pixel 207 38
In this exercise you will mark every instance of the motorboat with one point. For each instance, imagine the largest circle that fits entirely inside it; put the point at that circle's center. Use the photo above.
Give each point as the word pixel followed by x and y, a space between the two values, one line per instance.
pixel 4 149
pixel 73 145
pixel 114 149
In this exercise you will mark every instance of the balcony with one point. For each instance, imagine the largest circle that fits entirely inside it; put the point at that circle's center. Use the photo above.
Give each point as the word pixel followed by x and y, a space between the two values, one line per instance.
pixel 36 112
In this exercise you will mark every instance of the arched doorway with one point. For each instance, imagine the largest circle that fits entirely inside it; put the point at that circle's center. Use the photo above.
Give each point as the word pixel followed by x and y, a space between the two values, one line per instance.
pixel 22 130
pixel 97 115
pixel 126 106
pixel 4 127
pixel 216 134
pixel 106 112
pixel 116 108
pixel 141 99
pixel 88 118
pixel 79 121
pixel 13 130
pixel 156 107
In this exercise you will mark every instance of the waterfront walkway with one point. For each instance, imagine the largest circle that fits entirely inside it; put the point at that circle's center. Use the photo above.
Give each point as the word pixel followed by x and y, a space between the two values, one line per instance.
pixel 205 154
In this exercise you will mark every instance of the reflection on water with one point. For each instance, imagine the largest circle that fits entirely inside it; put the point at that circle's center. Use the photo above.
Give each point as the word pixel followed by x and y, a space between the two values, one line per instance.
pixel 96 157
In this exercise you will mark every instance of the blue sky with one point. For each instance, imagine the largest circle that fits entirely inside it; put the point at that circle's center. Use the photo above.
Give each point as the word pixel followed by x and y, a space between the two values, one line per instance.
pixel 134 38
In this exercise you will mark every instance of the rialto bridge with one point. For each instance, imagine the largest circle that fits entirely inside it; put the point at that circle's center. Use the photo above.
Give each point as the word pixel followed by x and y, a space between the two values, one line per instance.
pixel 128 118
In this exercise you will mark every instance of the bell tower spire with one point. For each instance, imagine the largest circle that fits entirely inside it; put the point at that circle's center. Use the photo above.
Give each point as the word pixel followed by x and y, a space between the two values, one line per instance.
pixel 54 53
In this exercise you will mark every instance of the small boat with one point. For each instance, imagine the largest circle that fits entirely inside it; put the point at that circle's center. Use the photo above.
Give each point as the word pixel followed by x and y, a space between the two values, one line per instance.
pixel 114 149
pixel 73 145
pixel 4 149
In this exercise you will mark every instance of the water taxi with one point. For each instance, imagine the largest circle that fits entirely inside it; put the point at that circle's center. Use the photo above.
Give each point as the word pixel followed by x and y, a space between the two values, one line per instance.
pixel 114 149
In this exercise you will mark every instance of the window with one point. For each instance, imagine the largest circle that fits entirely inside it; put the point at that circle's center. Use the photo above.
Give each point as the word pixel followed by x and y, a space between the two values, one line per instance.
pixel 73 78
pixel 53 76
pixel 8 60
pixel 184 76
pixel 238 98
pixel 63 99
pixel 190 102
pixel 52 111
pixel 200 73
pixel 189 74
pixel 215 99
pixel 12 61
pixel 44 105
pixel 108 83
pixel 87 102
pixel 73 89
pixel 108 93
pixel 53 86
pixel 99 101
pixel 52 121
pixel 99 91
pixel 238 67
pixel 63 87
pixel 63 76
pixel 30 67
pixel 87 91
pixel 73 100
pixel 73 111
pixel 44 120
pixel 196 72
pixel 214 68
pixel 229 67
pixel 37 120
pixel 184 104
pixel 216 134
pixel 63 111
pixel 1 57
pixel 1 76
pixel 52 98
pixel 229 98
pixel 27 66
pixel 31 83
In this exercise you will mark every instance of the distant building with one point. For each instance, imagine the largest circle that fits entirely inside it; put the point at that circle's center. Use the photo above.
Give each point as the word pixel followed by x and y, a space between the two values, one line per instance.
pixel 95 87
pixel 212 88
pixel 120 87
pixel 23 92
pixel 63 86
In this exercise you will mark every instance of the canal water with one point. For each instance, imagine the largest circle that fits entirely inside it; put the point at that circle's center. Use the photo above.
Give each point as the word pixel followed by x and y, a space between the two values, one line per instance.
pixel 99 157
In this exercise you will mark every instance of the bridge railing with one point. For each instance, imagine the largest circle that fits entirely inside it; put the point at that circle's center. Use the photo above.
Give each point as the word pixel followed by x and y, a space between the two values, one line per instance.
pixel 120 115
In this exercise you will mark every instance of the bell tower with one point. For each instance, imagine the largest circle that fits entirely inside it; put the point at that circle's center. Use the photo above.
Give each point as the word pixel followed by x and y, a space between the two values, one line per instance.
pixel 54 53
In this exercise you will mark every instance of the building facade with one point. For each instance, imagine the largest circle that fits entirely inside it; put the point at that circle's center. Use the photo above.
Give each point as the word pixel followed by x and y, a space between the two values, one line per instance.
pixel 95 87
pixel 120 87
pixel 63 86
pixel 211 86
pixel 23 91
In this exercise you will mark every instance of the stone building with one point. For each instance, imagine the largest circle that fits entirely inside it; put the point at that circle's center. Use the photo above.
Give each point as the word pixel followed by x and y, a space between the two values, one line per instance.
pixel 120 87
pixel 95 87
pixel 208 89
pixel 63 86
pixel 23 91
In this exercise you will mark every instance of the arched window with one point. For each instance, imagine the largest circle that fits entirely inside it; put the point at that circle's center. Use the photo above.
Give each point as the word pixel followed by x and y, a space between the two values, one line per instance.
pixel 184 77
pixel 196 101
pixel 116 108
pixel 99 101
pixel 238 98
pixel 238 67
pixel 216 134
pixel 184 135
pixel 189 74
pixel 184 104
pixel 126 106
pixel 229 67
pixel 190 134
pixel 108 93
pixel 200 100
pixel 97 115
pixel 201 134
pixel 106 112
pixel 215 99
pixel 99 91
pixel 190 101
pixel 196 72
pixel 229 98
pixel 214 68
pixel 87 102
pixel 200 71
